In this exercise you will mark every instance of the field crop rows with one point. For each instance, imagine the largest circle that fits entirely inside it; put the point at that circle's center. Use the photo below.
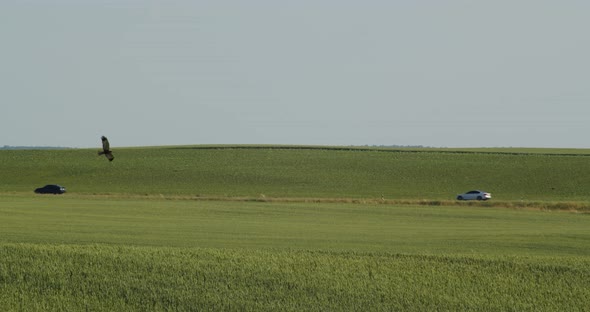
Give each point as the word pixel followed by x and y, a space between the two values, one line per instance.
pixel 304 173
pixel 295 228
pixel 103 278
pixel 309 226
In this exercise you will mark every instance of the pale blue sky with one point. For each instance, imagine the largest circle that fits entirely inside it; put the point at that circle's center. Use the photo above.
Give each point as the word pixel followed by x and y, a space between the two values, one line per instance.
pixel 330 72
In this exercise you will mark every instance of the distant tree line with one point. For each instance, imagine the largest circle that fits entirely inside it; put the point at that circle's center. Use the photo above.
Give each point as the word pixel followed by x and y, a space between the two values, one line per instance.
pixel 398 146
pixel 8 147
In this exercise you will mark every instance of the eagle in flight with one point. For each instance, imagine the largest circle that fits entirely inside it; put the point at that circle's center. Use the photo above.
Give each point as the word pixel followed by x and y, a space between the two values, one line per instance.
pixel 105 149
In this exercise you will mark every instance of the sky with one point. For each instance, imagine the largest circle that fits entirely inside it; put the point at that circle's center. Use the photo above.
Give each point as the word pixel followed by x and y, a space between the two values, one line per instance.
pixel 439 73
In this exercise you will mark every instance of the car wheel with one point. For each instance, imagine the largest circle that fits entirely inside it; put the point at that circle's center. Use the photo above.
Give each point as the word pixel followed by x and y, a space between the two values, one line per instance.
pixel 479 198
pixel 459 197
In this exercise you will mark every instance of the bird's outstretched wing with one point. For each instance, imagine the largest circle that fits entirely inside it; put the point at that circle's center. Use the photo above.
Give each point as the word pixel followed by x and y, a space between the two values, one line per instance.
pixel 109 156
pixel 106 149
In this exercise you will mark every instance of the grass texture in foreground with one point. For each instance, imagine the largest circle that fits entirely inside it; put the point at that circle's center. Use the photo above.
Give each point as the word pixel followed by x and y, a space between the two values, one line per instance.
pixel 65 253
pixel 107 278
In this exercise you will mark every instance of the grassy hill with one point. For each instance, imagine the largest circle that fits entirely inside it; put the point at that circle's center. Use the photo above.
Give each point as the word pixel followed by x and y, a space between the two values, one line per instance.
pixel 70 253
pixel 293 228
pixel 305 172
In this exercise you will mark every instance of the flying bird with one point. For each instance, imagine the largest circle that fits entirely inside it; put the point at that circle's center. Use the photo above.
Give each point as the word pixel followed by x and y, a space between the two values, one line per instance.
pixel 106 149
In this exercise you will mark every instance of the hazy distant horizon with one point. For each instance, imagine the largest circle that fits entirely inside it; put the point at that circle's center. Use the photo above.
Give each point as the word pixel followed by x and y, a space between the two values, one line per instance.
pixel 433 73
pixel 298 146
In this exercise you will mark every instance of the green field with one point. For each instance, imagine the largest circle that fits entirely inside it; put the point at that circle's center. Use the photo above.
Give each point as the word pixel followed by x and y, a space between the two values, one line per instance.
pixel 299 172
pixel 267 228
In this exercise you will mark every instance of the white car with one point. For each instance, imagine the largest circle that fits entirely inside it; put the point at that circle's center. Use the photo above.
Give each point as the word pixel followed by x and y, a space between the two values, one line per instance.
pixel 471 195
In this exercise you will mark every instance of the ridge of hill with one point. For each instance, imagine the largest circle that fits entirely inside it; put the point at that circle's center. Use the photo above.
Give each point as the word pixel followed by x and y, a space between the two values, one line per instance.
pixel 278 171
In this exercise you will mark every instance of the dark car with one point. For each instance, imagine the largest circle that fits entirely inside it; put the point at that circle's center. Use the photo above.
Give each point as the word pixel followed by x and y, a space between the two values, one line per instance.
pixel 51 189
